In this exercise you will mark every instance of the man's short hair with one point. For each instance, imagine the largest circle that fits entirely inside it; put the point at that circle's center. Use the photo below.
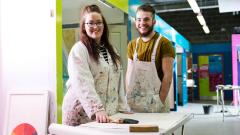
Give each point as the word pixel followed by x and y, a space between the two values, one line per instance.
pixel 147 8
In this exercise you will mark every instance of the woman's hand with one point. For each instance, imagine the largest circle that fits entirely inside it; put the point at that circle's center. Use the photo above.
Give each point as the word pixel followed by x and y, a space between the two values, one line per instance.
pixel 102 117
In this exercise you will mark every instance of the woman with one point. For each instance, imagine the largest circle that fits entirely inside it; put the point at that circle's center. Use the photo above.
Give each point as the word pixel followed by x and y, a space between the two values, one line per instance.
pixel 95 85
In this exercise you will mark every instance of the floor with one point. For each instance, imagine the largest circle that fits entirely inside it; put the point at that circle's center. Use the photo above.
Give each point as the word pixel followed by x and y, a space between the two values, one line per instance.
pixel 211 124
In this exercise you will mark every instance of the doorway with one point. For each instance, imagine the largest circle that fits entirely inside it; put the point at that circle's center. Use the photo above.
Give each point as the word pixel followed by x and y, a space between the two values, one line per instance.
pixel 118 38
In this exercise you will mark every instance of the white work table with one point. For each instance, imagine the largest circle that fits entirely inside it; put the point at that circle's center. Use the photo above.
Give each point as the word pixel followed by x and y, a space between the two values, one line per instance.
pixel 167 122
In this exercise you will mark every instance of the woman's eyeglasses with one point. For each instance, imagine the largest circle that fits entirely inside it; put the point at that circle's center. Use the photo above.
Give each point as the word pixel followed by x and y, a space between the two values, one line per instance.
pixel 92 24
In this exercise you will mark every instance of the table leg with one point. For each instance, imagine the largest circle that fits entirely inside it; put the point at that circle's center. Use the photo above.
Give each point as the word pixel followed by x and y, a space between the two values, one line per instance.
pixel 222 100
pixel 182 129
pixel 217 98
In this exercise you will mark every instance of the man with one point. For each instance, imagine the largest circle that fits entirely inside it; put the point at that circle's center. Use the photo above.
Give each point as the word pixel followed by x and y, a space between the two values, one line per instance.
pixel 150 66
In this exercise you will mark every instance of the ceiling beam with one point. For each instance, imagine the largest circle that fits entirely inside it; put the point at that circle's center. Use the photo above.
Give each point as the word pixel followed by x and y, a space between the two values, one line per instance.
pixel 184 9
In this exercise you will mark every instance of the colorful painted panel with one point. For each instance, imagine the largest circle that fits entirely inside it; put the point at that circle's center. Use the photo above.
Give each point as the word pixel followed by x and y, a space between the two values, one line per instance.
pixel 24 129
pixel 203 76
pixel 210 74
pixel 203 71
pixel 27 112
pixel 215 71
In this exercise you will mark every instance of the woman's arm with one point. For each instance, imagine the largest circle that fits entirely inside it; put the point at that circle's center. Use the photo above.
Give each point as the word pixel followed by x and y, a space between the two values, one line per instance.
pixel 82 81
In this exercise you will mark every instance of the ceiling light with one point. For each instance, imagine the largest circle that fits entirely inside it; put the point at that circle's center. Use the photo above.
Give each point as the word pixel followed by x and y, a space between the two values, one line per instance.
pixel 206 29
pixel 193 4
pixel 201 19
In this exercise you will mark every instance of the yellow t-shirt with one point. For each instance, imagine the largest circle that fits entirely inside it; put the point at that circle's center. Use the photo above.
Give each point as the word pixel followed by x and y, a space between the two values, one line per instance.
pixel 144 51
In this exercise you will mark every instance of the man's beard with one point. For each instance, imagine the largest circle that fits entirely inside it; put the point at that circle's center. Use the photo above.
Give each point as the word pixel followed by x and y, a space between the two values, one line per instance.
pixel 150 29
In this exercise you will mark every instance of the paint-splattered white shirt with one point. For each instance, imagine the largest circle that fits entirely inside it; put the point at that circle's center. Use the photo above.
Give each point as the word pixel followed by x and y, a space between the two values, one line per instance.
pixel 91 87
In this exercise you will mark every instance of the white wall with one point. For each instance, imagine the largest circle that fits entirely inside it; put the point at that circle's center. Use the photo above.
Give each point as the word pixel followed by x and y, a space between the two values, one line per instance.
pixel 27 48
pixel 228 5
pixel 1 90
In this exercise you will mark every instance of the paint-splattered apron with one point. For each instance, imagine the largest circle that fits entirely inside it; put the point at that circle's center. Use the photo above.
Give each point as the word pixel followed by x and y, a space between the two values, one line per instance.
pixel 144 84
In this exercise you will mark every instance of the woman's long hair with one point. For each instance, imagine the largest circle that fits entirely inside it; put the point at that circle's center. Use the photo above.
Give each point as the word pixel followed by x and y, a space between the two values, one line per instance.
pixel 90 43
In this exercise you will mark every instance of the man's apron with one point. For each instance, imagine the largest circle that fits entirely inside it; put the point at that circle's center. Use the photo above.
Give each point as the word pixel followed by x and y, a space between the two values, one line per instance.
pixel 144 84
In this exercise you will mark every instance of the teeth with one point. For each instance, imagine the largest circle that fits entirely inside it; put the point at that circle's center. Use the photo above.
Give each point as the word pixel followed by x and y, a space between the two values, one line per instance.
pixel 143 27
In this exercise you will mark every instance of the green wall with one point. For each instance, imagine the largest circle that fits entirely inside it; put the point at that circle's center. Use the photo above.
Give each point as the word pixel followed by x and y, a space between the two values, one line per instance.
pixel 121 4
pixel 59 60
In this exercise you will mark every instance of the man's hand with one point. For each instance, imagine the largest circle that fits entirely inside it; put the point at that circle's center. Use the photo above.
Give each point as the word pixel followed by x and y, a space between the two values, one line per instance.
pixel 102 117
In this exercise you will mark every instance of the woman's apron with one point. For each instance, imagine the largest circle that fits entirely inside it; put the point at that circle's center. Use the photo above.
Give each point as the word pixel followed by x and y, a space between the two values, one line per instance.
pixel 144 84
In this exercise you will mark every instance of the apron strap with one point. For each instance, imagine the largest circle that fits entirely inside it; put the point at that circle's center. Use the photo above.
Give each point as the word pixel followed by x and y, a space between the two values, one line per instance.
pixel 135 58
pixel 153 57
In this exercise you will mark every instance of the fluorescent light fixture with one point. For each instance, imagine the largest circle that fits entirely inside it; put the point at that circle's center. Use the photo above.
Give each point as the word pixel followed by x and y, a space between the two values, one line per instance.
pixel 201 19
pixel 193 4
pixel 206 29
pixel 105 3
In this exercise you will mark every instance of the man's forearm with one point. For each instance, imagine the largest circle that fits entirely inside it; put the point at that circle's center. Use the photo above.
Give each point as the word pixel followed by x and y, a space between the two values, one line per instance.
pixel 165 86
pixel 167 66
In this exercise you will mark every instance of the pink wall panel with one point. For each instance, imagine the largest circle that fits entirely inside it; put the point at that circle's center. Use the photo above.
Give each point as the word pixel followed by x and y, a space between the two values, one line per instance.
pixel 235 45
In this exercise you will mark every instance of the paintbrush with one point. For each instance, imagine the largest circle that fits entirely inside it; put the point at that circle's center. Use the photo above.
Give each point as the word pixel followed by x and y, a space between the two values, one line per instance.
pixel 124 121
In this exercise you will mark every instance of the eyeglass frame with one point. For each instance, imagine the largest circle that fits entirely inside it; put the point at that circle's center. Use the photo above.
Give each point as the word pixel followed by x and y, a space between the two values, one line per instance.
pixel 92 24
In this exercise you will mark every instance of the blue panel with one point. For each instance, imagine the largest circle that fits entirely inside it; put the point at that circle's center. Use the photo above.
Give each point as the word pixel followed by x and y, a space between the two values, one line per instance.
pixel 184 79
pixel 132 7
pixel 212 48
pixel 175 82
pixel 216 64
pixel 129 29
pixel 175 85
